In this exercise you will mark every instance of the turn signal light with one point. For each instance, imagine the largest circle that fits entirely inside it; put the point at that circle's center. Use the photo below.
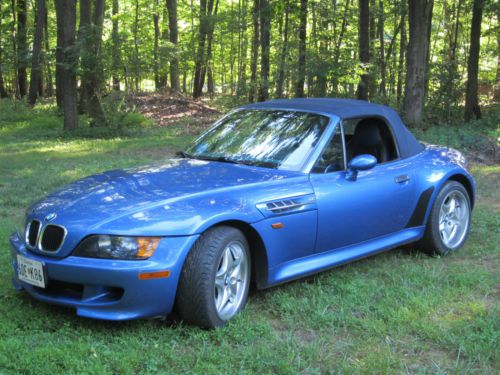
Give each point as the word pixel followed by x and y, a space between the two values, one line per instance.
pixel 154 275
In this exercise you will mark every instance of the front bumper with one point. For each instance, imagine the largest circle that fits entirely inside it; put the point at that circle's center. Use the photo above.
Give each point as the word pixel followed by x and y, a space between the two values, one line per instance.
pixel 105 288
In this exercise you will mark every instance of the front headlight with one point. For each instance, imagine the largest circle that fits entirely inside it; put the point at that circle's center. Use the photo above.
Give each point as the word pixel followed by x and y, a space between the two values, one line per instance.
pixel 117 247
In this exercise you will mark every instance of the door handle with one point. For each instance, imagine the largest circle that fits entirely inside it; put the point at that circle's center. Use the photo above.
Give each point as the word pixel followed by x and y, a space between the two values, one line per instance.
pixel 402 178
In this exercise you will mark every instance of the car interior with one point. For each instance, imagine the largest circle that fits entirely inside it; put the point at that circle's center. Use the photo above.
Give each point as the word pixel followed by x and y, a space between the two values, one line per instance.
pixel 362 136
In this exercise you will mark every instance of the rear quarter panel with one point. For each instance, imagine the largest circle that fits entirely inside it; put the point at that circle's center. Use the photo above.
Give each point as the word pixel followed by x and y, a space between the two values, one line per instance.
pixel 435 166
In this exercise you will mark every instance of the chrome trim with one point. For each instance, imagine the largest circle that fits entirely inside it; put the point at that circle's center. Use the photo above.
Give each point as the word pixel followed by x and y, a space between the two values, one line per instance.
pixel 27 231
pixel 39 243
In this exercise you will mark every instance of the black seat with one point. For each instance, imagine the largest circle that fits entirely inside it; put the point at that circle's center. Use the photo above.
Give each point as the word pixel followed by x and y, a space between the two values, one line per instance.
pixel 367 139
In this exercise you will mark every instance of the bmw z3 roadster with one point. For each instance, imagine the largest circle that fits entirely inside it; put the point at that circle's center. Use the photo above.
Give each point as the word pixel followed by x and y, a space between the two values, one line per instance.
pixel 273 192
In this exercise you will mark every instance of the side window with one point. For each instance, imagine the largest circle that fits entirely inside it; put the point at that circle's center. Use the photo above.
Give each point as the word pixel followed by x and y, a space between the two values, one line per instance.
pixel 372 136
pixel 332 158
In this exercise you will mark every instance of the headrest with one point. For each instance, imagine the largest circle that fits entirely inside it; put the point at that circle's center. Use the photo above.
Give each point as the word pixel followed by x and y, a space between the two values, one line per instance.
pixel 367 134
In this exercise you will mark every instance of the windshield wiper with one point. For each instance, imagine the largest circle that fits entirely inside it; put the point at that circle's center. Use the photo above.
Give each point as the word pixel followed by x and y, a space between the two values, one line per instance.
pixel 184 154
pixel 223 159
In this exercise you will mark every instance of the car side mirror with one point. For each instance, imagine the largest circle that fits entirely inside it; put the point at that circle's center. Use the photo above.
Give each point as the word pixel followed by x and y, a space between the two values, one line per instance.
pixel 360 163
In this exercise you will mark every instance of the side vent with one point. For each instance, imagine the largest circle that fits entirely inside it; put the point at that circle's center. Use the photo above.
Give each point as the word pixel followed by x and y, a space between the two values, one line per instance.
pixel 288 205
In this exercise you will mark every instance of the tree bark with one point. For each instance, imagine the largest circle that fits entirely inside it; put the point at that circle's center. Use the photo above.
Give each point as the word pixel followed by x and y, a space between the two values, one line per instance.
pixel 197 85
pixel 156 24
pixel 299 91
pixel 402 50
pixel 420 19
pixel 116 50
pixel 242 59
pixel 207 24
pixel 49 85
pixel 255 50
pixel 174 39
pixel 338 44
pixel 3 92
pixel 22 47
pixel 86 55
pixel 281 74
pixel 382 88
pixel 265 40
pixel 472 108
pixel 90 35
pixel 66 30
pixel 207 66
pixel 364 48
pixel 136 47
pixel 36 71
pixel 95 110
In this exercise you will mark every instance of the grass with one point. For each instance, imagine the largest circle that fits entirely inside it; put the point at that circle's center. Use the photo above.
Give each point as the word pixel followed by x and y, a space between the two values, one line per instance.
pixel 400 311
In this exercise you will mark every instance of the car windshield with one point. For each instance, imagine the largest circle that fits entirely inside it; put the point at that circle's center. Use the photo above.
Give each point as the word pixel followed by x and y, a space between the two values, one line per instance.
pixel 270 138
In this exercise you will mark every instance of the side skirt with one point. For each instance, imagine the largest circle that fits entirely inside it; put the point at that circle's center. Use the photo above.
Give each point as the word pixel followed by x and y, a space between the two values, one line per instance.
pixel 306 266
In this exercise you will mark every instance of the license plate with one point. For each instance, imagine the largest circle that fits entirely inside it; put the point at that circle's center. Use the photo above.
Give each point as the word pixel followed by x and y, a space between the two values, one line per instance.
pixel 30 271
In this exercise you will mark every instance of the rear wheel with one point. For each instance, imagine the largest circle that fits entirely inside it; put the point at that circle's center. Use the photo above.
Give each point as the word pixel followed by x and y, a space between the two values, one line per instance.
pixel 215 278
pixel 449 221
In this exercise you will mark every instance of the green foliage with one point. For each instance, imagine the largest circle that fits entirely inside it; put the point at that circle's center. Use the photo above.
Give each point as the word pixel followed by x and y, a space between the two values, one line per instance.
pixel 477 137
pixel 398 312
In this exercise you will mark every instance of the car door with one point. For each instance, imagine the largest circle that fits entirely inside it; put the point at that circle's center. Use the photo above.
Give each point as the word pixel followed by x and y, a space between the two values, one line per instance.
pixel 379 202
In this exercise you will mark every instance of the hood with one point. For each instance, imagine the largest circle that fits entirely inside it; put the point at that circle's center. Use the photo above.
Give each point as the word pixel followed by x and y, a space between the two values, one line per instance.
pixel 99 198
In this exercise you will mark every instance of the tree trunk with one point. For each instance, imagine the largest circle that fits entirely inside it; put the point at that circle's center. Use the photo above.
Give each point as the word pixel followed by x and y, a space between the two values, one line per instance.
pixel 115 37
pixel 255 50
pixel 66 22
pixel 3 92
pixel 364 48
pixel 242 61
pixel 402 50
pixel 472 108
pixel 207 24
pixel 86 55
pixel 95 110
pixel 197 85
pixel 36 71
pixel 90 35
pixel 136 47
pixel 265 40
pixel 420 18
pixel 156 24
pixel 208 62
pixel 382 89
pixel 49 86
pixel 281 74
pixel 299 91
pixel 22 47
pixel 338 44
pixel 174 39
pixel 59 62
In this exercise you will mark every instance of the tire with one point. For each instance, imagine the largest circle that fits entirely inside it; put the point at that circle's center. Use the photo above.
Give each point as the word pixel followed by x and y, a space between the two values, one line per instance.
pixel 211 291
pixel 447 229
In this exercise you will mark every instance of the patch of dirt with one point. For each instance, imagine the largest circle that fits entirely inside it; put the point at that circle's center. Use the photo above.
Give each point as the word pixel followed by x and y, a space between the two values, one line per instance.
pixel 168 110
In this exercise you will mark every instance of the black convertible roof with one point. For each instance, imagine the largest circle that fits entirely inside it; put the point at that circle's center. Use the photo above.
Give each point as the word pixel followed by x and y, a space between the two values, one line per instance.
pixel 349 108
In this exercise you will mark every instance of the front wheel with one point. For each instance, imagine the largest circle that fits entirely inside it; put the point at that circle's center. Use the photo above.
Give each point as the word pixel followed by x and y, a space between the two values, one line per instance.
pixel 449 220
pixel 215 278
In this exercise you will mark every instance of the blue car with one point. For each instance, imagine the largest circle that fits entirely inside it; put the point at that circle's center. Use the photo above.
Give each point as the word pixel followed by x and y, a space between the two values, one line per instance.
pixel 273 192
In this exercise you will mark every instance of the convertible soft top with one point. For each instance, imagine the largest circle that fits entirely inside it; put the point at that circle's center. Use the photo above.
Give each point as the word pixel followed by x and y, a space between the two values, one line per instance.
pixel 349 108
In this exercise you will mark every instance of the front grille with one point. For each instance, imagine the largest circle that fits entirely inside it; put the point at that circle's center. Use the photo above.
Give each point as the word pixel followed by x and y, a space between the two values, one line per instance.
pixel 48 238
pixel 52 238
pixel 32 232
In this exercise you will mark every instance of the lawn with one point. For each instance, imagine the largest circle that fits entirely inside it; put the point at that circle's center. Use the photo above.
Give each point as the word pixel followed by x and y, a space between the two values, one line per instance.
pixel 400 311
